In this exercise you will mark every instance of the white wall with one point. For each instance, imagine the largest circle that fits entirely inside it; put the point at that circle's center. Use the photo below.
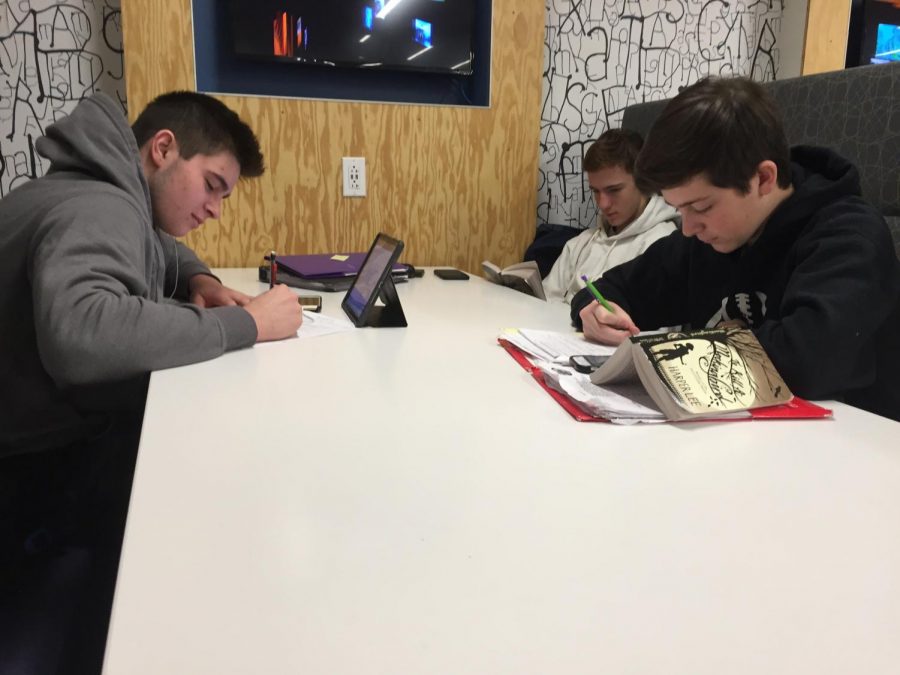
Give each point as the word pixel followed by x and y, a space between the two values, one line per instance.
pixel 53 53
pixel 602 55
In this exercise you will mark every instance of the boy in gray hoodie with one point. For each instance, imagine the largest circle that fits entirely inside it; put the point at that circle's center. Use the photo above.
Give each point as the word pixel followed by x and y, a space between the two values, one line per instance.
pixel 94 289
pixel 95 293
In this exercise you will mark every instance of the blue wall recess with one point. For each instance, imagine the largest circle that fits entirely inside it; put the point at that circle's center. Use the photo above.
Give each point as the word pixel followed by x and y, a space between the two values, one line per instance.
pixel 220 71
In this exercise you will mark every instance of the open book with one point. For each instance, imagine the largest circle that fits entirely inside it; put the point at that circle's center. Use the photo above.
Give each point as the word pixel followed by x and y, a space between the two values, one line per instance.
pixel 544 354
pixel 700 373
pixel 523 276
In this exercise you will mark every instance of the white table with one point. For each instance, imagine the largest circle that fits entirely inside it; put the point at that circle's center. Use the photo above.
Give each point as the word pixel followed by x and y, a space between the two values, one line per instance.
pixel 410 501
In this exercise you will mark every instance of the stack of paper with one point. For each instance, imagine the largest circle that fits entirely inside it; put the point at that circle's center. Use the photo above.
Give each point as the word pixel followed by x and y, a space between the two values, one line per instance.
pixel 552 346
pixel 620 403
pixel 550 352
pixel 316 325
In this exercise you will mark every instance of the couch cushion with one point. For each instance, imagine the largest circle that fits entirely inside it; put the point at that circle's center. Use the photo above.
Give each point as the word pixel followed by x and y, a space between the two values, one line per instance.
pixel 855 112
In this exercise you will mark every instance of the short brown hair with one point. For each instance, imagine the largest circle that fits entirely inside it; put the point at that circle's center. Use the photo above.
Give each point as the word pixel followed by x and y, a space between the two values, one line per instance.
pixel 615 147
pixel 721 128
pixel 202 125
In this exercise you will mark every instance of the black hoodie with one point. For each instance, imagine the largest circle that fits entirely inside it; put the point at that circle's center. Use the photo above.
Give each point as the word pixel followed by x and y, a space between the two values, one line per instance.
pixel 820 288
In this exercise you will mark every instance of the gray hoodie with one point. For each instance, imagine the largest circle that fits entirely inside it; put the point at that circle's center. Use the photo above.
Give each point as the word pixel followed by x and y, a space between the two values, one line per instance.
pixel 90 293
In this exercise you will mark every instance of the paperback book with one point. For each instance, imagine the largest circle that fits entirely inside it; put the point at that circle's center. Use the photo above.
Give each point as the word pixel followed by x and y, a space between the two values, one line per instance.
pixel 700 373
pixel 524 277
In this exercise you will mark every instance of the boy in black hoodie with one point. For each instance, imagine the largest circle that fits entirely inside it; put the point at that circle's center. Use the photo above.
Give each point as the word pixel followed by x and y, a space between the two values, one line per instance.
pixel 774 239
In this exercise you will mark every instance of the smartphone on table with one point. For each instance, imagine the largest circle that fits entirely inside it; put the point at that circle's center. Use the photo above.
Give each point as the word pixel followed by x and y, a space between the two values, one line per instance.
pixel 449 274
pixel 587 363
pixel 313 303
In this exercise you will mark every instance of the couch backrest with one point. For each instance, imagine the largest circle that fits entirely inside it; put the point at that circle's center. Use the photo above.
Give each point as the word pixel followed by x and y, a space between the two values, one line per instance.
pixel 855 112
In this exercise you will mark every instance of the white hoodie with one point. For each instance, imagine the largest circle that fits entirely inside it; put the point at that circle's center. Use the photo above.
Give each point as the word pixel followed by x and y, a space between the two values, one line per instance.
pixel 594 251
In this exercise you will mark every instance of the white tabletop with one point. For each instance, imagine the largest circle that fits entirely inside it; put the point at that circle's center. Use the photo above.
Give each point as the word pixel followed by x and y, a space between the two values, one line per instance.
pixel 409 500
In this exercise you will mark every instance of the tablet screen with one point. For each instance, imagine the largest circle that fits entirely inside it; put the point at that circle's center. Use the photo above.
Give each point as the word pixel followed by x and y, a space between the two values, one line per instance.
pixel 368 283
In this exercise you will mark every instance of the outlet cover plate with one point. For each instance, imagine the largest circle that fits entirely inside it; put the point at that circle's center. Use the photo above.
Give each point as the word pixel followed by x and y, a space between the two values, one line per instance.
pixel 354 171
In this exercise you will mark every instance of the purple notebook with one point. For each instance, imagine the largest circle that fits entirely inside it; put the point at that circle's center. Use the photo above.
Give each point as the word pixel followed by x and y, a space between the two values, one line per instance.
pixel 325 265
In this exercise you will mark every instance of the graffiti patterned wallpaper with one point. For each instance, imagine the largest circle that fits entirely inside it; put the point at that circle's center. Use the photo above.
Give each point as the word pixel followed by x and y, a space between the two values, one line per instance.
pixel 53 53
pixel 603 55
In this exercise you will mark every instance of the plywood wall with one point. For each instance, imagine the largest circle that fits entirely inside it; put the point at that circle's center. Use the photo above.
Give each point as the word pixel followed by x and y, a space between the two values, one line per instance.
pixel 825 48
pixel 458 185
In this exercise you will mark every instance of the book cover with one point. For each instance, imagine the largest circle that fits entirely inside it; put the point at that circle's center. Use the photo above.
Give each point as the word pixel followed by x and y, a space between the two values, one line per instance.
pixel 700 373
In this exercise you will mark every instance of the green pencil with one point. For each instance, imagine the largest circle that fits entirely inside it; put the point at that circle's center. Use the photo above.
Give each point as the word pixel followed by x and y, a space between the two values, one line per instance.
pixel 596 294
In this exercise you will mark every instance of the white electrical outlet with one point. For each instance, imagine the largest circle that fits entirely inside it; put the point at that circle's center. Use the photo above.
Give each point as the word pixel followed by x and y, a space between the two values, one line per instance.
pixel 354 176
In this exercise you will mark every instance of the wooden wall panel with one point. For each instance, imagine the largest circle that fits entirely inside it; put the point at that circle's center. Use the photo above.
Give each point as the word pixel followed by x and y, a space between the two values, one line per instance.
pixel 458 185
pixel 827 26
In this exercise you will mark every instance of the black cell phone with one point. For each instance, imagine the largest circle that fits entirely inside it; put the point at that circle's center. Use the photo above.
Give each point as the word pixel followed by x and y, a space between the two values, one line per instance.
pixel 587 363
pixel 450 274
pixel 311 302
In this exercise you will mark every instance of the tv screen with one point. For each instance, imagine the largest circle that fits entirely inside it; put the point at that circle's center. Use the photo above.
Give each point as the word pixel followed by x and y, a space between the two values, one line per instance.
pixel 425 35
pixel 887 43
pixel 875 29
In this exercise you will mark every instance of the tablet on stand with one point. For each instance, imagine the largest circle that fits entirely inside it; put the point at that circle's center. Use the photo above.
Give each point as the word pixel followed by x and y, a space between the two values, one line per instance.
pixel 373 281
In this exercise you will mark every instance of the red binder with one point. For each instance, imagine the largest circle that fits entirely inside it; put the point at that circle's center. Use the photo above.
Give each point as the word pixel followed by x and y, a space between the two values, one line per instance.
pixel 796 408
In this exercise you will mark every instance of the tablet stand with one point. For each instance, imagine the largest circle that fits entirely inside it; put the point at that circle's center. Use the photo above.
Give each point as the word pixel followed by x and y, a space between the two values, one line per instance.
pixel 391 314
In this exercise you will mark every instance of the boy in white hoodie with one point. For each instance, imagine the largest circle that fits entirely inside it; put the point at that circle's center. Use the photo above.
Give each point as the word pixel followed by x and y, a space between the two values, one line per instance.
pixel 628 221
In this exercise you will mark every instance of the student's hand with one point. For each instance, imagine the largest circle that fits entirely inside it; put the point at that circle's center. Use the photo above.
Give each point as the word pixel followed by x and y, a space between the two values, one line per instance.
pixel 207 291
pixel 276 312
pixel 608 328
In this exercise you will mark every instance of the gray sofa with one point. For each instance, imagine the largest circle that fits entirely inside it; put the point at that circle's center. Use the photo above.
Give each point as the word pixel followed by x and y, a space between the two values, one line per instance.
pixel 856 112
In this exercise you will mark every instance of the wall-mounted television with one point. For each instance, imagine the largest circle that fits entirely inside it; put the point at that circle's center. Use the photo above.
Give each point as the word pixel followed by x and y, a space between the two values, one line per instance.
pixel 874 32
pixel 887 43
pixel 420 35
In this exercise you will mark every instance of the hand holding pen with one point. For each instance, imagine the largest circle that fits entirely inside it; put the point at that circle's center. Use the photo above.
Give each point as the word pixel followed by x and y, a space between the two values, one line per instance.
pixel 604 321
pixel 276 312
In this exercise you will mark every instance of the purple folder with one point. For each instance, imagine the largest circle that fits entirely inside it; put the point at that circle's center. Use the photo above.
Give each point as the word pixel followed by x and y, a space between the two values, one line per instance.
pixel 323 265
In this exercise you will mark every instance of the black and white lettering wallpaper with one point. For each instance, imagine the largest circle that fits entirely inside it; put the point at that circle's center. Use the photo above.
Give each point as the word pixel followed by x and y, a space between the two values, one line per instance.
pixel 53 53
pixel 603 55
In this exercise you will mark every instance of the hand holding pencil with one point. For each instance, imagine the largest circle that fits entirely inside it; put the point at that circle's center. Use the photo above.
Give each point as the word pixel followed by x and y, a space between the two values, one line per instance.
pixel 596 294
pixel 604 321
